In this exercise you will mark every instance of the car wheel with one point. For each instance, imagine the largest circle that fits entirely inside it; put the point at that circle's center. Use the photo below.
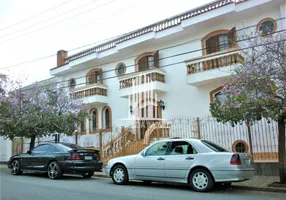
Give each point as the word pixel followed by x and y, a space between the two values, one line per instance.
pixel 119 175
pixel 201 180
pixel 16 168
pixel 54 170
pixel 88 175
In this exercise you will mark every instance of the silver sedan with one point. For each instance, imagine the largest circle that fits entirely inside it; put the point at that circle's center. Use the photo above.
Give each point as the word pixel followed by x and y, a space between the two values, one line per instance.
pixel 199 163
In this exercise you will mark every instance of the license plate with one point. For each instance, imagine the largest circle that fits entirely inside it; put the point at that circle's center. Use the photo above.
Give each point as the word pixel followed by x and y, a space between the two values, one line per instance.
pixel 247 162
pixel 88 157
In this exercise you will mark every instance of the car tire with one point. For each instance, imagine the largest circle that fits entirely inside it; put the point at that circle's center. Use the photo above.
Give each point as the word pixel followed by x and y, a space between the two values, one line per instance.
pixel 119 175
pixel 54 170
pixel 16 167
pixel 201 180
pixel 88 175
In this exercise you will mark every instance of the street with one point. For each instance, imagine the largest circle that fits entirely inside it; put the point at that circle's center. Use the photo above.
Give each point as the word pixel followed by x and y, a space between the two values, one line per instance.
pixel 38 186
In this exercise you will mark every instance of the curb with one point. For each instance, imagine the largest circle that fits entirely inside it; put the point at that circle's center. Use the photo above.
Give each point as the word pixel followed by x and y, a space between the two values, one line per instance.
pixel 266 189
pixel 100 176
pixel 262 189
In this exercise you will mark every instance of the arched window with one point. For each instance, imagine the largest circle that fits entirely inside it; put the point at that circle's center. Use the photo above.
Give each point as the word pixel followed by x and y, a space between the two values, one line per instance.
pixel 107 118
pixel 216 93
pixel 93 125
pixel 94 76
pixel 240 146
pixel 82 127
pixel 147 61
pixel 219 40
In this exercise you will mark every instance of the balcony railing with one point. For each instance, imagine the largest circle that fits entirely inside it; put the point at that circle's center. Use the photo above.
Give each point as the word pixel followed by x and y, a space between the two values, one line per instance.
pixel 214 61
pixel 139 78
pixel 90 90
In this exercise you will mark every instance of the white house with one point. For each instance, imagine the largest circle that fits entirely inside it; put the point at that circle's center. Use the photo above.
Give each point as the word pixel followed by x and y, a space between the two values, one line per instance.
pixel 169 71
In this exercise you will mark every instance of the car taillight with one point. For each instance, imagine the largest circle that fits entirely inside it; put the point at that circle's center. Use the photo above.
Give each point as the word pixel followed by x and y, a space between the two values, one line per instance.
pixel 97 156
pixel 74 156
pixel 235 160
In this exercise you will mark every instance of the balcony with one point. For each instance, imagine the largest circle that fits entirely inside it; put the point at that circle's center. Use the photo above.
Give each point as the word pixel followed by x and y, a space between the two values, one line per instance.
pixel 140 82
pixel 212 68
pixel 92 94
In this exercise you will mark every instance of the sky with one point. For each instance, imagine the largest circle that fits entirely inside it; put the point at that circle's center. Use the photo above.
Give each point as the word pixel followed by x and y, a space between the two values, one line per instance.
pixel 37 29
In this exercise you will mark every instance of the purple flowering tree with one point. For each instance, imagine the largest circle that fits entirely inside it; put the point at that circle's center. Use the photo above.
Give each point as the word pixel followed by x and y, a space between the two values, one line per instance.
pixel 40 111
pixel 257 89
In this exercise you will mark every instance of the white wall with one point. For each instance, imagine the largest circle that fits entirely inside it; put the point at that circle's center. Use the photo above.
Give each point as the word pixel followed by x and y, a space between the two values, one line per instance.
pixel 181 98
pixel 5 149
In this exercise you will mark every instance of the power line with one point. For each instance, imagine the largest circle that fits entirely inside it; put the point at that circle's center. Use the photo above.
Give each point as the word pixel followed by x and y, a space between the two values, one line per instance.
pixel 55 22
pixel 190 41
pixel 171 56
pixel 27 19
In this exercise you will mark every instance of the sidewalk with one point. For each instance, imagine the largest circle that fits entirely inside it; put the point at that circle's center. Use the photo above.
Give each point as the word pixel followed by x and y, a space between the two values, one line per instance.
pixel 258 183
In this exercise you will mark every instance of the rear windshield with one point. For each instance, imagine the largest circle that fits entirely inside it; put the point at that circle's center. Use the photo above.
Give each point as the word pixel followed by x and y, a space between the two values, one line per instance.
pixel 213 146
pixel 70 146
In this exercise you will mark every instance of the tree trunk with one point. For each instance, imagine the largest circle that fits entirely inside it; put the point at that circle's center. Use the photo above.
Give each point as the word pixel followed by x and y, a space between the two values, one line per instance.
pixel 32 143
pixel 282 150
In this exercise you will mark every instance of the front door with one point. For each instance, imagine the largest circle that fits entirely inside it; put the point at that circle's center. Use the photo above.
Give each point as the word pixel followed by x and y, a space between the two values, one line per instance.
pixel 179 159
pixel 152 163
pixel 37 161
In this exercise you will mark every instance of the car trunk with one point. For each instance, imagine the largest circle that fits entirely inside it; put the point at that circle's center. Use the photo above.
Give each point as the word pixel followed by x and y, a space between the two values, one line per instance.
pixel 83 154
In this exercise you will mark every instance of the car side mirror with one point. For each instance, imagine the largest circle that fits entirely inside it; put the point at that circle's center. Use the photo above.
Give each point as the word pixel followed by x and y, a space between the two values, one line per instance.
pixel 143 153
pixel 29 152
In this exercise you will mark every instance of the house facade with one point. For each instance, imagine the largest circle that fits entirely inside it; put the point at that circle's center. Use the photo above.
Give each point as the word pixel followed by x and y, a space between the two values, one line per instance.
pixel 169 72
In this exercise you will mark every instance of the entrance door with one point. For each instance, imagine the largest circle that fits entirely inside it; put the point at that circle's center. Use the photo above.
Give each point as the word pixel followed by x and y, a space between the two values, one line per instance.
pixel 149 115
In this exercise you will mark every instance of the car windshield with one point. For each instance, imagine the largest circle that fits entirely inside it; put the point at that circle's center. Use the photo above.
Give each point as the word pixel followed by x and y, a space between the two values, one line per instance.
pixel 213 146
pixel 70 146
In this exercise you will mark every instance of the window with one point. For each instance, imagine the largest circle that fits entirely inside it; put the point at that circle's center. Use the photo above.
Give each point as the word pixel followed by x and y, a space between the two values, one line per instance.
pixel 82 126
pixel 94 76
pixel 120 69
pixel 240 146
pixel 147 61
pixel 72 83
pixel 213 146
pixel 219 41
pixel 266 26
pixel 94 120
pixel 41 149
pixel 107 118
pixel 158 149
pixel 181 148
pixel 52 149
pixel 69 147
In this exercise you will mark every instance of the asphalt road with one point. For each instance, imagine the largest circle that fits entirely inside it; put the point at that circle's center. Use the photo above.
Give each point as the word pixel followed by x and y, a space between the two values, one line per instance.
pixel 39 187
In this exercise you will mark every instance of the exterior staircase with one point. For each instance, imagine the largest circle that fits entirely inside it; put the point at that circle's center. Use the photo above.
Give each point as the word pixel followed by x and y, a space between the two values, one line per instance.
pixel 126 143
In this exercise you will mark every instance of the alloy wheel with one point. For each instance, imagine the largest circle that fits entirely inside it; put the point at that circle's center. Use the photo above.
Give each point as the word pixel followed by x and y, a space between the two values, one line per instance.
pixel 119 175
pixel 15 167
pixel 53 170
pixel 200 180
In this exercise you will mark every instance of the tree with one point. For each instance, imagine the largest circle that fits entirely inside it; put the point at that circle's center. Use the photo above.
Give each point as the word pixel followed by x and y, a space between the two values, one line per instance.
pixel 257 89
pixel 40 111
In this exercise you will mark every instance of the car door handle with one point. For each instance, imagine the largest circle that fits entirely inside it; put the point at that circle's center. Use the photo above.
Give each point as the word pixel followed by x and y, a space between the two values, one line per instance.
pixel 189 158
pixel 161 158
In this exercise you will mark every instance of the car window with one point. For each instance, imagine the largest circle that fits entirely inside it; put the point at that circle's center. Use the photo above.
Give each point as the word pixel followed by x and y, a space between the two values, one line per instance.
pixel 213 146
pixel 52 149
pixel 41 149
pixel 69 147
pixel 157 149
pixel 182 148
